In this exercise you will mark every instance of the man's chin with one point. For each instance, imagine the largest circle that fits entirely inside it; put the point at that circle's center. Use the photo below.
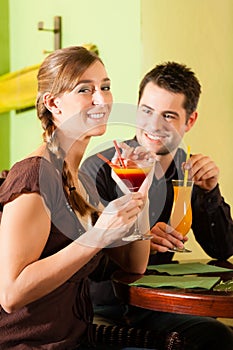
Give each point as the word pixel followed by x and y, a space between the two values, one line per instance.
pixel 158 150
pixel 162 153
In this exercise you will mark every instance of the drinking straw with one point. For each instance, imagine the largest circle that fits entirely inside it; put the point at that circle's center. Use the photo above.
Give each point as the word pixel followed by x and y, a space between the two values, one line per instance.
pixel 186 170
pixel 119 154
pixel 104 159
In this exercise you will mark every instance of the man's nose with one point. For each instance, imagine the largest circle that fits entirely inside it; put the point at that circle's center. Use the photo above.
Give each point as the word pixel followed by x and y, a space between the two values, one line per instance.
pixel 157 121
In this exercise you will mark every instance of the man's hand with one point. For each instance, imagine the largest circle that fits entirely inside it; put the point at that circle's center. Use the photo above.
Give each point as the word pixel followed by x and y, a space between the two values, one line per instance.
pixel 165 237
pixel 203 171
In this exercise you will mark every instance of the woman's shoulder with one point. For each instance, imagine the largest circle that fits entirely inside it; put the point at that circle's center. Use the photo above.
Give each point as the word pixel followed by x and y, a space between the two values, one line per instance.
pixel 26 166
pixel 31 167
pixel 26 176
pixel 24 170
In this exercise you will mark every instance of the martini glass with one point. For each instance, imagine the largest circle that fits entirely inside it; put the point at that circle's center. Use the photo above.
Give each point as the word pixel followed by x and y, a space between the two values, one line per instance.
pixel 132 173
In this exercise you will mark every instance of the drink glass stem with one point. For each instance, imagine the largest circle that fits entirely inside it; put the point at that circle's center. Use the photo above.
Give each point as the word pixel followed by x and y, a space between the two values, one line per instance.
pixel 136 227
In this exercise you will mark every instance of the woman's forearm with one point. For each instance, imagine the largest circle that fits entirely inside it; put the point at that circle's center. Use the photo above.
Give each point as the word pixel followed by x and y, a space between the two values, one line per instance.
pixel 132 257
pixel 43 276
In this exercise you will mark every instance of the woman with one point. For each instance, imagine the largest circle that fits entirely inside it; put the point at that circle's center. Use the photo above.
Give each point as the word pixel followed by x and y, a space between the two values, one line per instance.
pixel 50 236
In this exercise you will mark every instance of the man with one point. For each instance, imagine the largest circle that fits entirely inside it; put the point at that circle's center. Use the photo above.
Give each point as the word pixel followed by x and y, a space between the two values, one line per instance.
pixel 167 109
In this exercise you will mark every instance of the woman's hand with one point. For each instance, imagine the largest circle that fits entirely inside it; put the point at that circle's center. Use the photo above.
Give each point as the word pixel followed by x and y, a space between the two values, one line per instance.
pixel 165 237
pixel 133 153
pixel 114 222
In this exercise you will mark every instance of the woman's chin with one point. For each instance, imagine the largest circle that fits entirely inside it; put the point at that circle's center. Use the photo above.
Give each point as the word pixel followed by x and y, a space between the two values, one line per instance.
pixel 98 130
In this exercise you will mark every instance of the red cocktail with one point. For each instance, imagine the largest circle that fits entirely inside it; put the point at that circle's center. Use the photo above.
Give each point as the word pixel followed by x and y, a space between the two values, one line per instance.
pixel 132 175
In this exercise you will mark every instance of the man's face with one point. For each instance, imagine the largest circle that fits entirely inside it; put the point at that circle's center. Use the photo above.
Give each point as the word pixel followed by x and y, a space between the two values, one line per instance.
pixel 161 119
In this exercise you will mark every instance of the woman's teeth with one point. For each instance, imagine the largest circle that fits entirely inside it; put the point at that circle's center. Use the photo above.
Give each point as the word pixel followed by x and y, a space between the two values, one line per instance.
pixel 96 115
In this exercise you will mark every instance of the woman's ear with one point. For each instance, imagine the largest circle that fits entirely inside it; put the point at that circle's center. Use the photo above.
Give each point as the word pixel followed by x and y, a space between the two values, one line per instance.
pixel 51 103
pixel 191 121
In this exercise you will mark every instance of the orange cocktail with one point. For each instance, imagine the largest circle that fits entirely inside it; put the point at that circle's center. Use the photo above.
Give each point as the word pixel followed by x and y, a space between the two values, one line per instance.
pixel 181 214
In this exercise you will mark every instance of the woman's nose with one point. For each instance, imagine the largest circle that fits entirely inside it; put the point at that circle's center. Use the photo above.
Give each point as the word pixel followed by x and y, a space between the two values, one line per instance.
pixel 98 97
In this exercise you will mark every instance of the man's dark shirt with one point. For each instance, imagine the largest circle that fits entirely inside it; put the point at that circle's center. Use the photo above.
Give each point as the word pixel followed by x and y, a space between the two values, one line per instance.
pixel 212 224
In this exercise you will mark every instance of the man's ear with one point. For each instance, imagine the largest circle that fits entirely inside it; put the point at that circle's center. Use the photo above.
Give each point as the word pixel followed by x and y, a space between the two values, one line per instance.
pixel 191 121
pixel 51 103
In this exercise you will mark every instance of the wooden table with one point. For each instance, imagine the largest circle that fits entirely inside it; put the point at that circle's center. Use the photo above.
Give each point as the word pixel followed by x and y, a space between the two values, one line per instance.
pixel 180 301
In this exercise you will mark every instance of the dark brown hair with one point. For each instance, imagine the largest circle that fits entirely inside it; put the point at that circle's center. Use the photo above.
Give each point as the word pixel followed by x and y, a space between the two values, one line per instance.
pixel 177 78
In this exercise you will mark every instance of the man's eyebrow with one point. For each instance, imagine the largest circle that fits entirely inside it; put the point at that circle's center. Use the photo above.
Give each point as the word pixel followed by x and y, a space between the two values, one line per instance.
pixel 143 105
pixel 164 112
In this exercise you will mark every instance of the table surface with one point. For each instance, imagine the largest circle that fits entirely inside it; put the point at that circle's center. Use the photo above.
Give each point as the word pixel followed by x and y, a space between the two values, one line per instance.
pixel 182 301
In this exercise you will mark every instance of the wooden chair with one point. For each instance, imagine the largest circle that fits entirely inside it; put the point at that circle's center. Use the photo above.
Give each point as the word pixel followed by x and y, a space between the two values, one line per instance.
pixel 123 336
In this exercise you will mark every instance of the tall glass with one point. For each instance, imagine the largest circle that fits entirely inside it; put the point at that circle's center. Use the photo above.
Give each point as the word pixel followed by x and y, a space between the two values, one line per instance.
pixel 181 214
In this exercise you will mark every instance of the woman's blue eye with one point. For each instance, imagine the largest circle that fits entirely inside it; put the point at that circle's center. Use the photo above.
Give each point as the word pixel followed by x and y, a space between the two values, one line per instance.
pixel 85 90
pixel 91 90
pixel 106 88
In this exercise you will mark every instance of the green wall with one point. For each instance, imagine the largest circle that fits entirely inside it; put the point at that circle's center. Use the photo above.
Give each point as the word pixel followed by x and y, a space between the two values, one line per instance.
pixel 114 26
pixel 4 68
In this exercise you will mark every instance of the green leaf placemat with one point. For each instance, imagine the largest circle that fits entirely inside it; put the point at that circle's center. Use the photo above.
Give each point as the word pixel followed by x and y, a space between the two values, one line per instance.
pixel 154 281
pixel 186 268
